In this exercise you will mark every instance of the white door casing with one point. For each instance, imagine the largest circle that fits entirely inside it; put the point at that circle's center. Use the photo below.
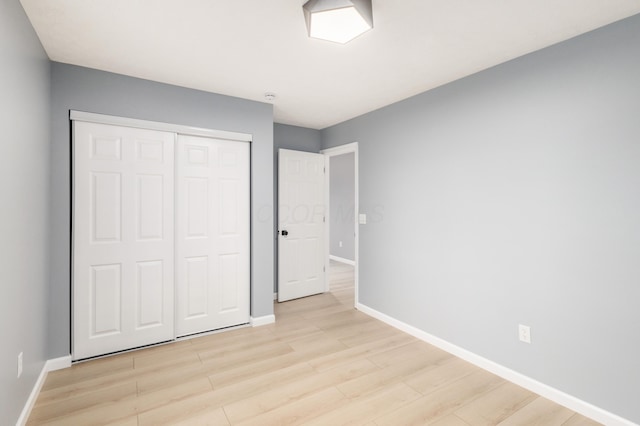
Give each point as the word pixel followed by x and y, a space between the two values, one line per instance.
pixel 301 215
pixel 212 234
pixel 123 238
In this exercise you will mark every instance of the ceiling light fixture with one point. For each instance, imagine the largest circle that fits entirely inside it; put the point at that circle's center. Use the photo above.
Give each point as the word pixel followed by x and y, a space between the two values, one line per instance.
pixel 339 21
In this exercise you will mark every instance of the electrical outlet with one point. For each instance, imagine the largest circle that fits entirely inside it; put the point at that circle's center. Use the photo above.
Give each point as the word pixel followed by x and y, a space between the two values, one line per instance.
pixel 19 364
pixel 340 244
pixel 524 332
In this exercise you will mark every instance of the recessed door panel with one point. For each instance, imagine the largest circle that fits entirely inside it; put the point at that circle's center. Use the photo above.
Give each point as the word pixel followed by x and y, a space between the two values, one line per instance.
pixel 150 150
pixel 106 201
pixel 149 294
pixel 105 148
pixel 229 192
pixel 105 296
pixel 197 206
pixel 197 155
pixel 150 207
pixel 229 288
pixel 197 286
pixel 312 250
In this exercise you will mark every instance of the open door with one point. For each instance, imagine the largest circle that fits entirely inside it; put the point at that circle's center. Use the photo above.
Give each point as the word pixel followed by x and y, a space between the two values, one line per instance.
pixel 301 216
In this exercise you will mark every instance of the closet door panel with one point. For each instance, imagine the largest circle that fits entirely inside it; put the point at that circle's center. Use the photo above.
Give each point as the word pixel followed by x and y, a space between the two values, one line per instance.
pixel 212 234
pixel 123 238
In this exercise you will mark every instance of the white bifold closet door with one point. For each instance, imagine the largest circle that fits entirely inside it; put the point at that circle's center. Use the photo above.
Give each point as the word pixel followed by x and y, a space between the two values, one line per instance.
pixel 212 234
pixel 123 238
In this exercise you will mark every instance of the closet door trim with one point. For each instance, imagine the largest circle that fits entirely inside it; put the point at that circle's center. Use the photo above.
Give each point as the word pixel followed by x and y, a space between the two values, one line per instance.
pixel 156 125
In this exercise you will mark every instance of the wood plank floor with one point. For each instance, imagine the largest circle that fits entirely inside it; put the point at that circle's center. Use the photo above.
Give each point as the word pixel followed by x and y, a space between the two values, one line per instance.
pixel 321 363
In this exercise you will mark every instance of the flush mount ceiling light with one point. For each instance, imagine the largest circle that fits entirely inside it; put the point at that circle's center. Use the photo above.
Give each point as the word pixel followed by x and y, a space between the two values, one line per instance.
pixel 338 20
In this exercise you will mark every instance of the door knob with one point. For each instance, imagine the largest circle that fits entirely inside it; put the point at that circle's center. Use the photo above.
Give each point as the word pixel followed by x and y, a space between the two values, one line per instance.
pixel 285 232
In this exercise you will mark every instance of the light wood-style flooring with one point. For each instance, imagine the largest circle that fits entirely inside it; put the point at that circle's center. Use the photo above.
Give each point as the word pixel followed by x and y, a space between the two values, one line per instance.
pixel 321 363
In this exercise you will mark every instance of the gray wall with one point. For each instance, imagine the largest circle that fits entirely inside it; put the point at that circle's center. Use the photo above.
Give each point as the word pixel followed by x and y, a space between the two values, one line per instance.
pixel 289 137
pixel 294 137
pixel 106 93
pixel 24 176
pixel 512 196
pixel 342 177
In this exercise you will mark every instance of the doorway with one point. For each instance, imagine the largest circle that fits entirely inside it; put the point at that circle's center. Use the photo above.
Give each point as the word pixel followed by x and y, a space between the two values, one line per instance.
pixel 342 220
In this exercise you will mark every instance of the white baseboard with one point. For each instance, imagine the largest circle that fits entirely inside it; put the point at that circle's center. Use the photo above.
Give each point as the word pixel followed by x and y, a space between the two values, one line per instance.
pixel 342 260
pixel 50 365
pixel 275 296
pixel 555 395
pixel 259 321
pixel 58 363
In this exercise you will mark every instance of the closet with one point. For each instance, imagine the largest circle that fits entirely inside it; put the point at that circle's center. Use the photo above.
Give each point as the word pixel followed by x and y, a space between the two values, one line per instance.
pixel 160 235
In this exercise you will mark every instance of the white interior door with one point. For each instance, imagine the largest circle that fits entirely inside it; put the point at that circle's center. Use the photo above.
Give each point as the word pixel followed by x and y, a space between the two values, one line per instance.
pixel 122 238
pixel 212 234
pixel 301 213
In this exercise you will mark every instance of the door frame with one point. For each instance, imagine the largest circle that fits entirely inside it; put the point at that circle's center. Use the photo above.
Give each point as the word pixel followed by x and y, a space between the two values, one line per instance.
pixel 328 153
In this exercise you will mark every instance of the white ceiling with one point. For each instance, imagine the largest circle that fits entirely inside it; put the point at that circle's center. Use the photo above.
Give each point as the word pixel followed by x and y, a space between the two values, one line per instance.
pixel 245 48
